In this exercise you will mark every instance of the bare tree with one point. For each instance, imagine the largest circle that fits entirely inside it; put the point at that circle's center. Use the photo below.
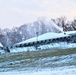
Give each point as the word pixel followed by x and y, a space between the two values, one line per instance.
pixel 61 22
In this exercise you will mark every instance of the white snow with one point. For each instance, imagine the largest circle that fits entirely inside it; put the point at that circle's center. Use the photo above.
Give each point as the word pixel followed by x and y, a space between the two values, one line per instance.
pixel 71 32
pixel 1 45
pixel 50 35
pixel 57 71
pixel 45 36
pixel 59 45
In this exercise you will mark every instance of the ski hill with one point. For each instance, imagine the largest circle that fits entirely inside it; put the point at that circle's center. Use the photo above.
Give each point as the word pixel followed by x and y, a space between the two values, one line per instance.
pixel 46 41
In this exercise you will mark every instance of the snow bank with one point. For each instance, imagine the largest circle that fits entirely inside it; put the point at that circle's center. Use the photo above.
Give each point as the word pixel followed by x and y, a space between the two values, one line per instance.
pixel 59 45
pixel 49 35
pixel 45 36
pixel 70 32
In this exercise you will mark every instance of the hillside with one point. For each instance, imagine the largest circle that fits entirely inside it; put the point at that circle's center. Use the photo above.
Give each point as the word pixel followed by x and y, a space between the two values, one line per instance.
pixel 8 37
pixel 35 61
pixel 27 31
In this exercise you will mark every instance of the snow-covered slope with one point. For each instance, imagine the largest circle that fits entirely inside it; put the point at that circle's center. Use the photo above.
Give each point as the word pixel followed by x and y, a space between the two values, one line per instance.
pixel 49 35
pixel 56 71
pixel 45 36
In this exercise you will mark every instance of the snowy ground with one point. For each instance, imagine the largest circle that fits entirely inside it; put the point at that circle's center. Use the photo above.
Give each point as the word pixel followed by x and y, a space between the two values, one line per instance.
pixel 49 65
pixel 51 59
pixel 50 35
pixel 56 71
pixel 59 45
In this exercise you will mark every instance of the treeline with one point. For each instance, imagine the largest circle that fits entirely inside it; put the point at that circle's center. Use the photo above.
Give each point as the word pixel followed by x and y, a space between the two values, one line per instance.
pixel 17 34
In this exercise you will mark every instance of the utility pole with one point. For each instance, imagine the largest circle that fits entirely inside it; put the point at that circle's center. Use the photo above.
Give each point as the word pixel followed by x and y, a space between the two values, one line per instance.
pixel 63 24
pixel 64 28
pixel 36 38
